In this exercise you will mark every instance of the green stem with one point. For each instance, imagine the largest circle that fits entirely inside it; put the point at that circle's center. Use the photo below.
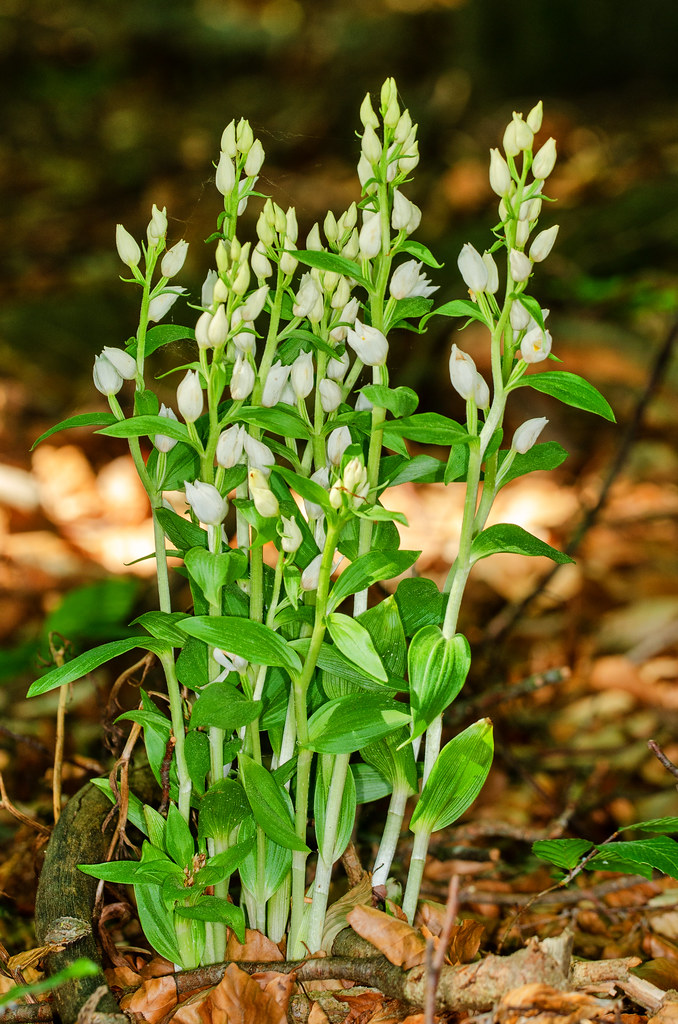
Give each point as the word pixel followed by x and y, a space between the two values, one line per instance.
pixel 323 871
pixel 390 835
pixel 415 874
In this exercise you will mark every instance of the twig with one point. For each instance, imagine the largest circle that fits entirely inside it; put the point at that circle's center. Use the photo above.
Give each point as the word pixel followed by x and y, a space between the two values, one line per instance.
pixel 352 866
pixel 435 960
pixel 7 805
pixel 16 973
pixel 503 623
pixel 501 694
pixel 58 657
pixel 662 758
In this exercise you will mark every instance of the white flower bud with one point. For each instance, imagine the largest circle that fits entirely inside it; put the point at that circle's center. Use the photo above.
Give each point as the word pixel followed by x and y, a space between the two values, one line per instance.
pixel 265 230
pixel 313 241
pixel 231 662
pixel 543 243
pixel 217 329
pixel 310 577
pixel 337 443
pixel 301 375
pixel 330 395
pixel 536 345
pixel 254 303
pixel 463 373
pixel 291 225
pixel 521 266
pixel 244 136
pixel 322 477
pixel 308 294
pixel 352 247
pixel 534 118
pixel 367 114
pixel 472 268
pixel 342 294
pixel 369 344
pixel 530 209
pixel 330 227
pixel 242 279
pixel 492 273
pixel 228 144
pixel 190 397
pixel 225 175
pixel 409 280
pixel 522 232
pixel 161 441
pixel 481 393
pixel 362 403
pixel 157 226
pixel 174 259
pixel 207 291
pixel 242 379
pixel 403 128
pixel 263 497
pixel 230 446
pixel 410 159
pixel 524 134
pixel 125 364
pixel 255 159
pixel 291 537
pixel 510 141
pixel 159 306
pixel 259 455
pixel 128 249
pixel 544 160
pixel 275 382
pixel 288 264
pixel 405 216
pixel 337 366
pixel 107 380
pixel 245 340
pixel 261 265
pixel 207 503
pixel 366 174
pixel 371 146
pixel 201 326
pixel 519 317
pixel 527 433
pixel 500 175
pixel 369 240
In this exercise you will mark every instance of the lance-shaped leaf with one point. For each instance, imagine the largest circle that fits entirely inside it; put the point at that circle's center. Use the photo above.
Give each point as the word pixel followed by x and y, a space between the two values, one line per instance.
pixel 438 667
pixel 179 842
pixel 355 642
pixel 456 778
pixel 541 457
pixel 222 865
pixel 162 334
pixel 331 262
pixel 346 821
pixel 157 923
pixel 506 537
pixel 280 419
pixel 369 569
pixel 148 426
pixel 305 488
pixel 382 621
pixel 400 401
pixel 222 706
pixel 570 389
pixel 564 853
pixel 222 809
pixel 270 808
pixel 392 756
pixel 345 724
pixel 658 853
pixel 215 908
pixel 277 863
pixel 251 640
pixel 84 419
pixel 182 532
pixel 213 571
pixel 428 428
pixel 90 660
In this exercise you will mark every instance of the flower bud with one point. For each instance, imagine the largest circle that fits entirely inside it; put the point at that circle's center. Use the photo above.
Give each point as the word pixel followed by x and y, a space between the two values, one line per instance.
pixel 174 259
pixel 510 141
pixel 463 373
pixel 291 226
pixel 225 175
pixel 310 577
pixel 352 247
pixel 367 114
pixel 291 537
pixel 255 159
pixel 534 118
pixel 228 144
pixel 217 329
pixel 342 294
pixel 259 455
pixel 519 317
pixel 128 249
pixel 261 265
pixel 481 393
pixel 410 159
pixel 524 134
pixel 330 227
pixel 263 497
pixel 265 230
pixel 369 240
pixel 125 364
pixel 275 382
pixel 544 160
pixel 406 216
pixel 472 268
pixel 245 340
pixel 207 291
pixel 161 304
pixel 230 446
pixel 313 241
pixel 330 395
pixel 301 375
pixel 201 325
pixel 157 226
pixel 371 146
pixel 230 662
pixel 307 295
pixel 242 279
pixel 161 441
pixel 536 345
pixel 107 380
pixel 392 112
pixel 543 243
pixel 369 344
pixel 288 264
pixel 522 232
pixel 190 397
pixel 337 366
pixel 208 506
pixel 527 433
pixel 337 443
pixel 500 175
pixel 254 303
pixel 492 273
pixel 403 128
pixel 244 136
pixel 521 266
pixel 322 477
pixel 354 482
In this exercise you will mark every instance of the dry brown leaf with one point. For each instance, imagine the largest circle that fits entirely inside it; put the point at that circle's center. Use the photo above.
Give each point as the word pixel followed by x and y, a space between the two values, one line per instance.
pixel 237 999
pixel 256 946
pixel 336 917
pixel 278 985
pixel 397 940
pixel 667 1013
pixel 31 957
pixel 541 1004
pixel 655 946
pixel 363 1005
pixel 464 942
pixel 153 1000
pixel 156 968
pixel 123 977
pixel 317 1015
pixel 661 972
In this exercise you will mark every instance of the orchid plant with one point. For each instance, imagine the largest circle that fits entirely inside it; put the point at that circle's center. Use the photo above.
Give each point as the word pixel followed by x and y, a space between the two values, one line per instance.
pixel 294 691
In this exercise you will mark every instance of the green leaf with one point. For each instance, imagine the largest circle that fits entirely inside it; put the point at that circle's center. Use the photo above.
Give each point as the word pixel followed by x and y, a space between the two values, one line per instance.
pixel 181 531
pixel 427 428
pixel 330 261
pixel 346 815
pixel 183 463
pixel 355 642
pixel 659 853
pixel 222 809
pixel 148 426
pixel 121 871
pixel 178 839
pixel 542 457
pixel 532 307
pixel 252 640
pixel 135 808
pixel 570 389
pixel 95 611
pixel 456 778
pixel 345 724
pixel 392 757
pixel 277 863
pixel 420 252
pixel 268 804
pixel 399 401
pixel 438 668
pixel 222 706
pixel 87 662
pixel 305 488
pixel 222 865
pixel 162 334
pixel 458 307
pixel 382 622
pixel 156 921
pixel 564 853
pixel 149 720
pixel 506 537
pixel 213 571
pixel 155 826
pixel 198 762
pixel 369 783
pixel 420 603
pixel 369 569
pixel 416 306
pixel 84 419
pixel 395 470
pixel 146 403
pixel 280 419
pixel 330 659
pixel 655 825
pixel 163 626
pixel 379 514
pixel 215 908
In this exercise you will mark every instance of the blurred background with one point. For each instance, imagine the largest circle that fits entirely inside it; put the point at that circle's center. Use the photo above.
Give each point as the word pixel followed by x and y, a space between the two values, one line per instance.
pixel 109 107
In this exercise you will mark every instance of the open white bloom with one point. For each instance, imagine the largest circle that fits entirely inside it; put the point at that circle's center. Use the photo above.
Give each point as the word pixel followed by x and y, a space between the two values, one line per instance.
pixel 409 280
pixel 463 373
pixel 330 395
pixel 527 433
pixel 536 345
pixel 544 160
pixel 230 446
pixel 229 662
pixel 190 396
pixel 174 259
pixel 543 243
pixel 125 364
pixel 308 294
pixel 159 306
pixel 369 344
pixel 259 455
pixel 242 379
pixel 472 268
pixel 207 503
pixel 161 441
pixel 128 249
pixel 291 537
pixel 275 382
pixel 520 265
pixel 301 375
pixel 107 380
pixel 337 443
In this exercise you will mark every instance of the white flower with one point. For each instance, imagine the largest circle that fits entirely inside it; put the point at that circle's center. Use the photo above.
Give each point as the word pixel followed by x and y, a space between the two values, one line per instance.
pixel 255 159
pixel 322 477
pixel 307 296
pixel 174 259
pixel 291 537
pixel 275 382
pixel 330 395
pixel 190 397
pixel 263 497
pixel 527 433
pixel 369 240
pixel 406 216
pixel 534 118
pixel 230 446
pixel 228 661
pixel 500 175
pixel 228 143
pixel 492 273
pixel 128 249
pixel 207 503
pixel 159 306
pixel 519 317
pixel 207 291
pixel 301 375
pixel 481 393
pixel 409 280
pixel 337 366
pixel 524 134
pixel 201 333
pixel 545 159
pixel 348 316
pixel 161 441
pixel 337 443
pixel 107 380
pixel 157 226
pixel 259 455
pixel 362 403
pixel 520 265
pixel 261 265
pixel 463 373
pixel 472 268
pixel 225 176
pixel 242 379
pixel 369 344
pixel 543 243
pixel 536 345
pixel 254 304
pixel 125 364
pixel 217 329
pixel 310 577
